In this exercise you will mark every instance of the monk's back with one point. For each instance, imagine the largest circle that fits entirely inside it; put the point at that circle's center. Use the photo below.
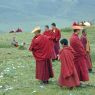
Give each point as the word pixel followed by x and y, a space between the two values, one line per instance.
pixel 80 58
pixel 67 55
pixel 43 47
pixel 77 45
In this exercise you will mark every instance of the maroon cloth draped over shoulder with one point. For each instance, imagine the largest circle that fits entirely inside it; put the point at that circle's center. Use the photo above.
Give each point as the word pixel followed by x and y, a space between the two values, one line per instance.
pixel 51 37
pixel 57 34
pixel 41 49
pixel 80 58
pixel 88 57
pixel 84 41
pixel 68 75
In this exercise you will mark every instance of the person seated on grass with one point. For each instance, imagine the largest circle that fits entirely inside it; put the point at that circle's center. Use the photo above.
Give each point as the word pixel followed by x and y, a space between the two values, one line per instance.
pixel 68 74
pixel 14 42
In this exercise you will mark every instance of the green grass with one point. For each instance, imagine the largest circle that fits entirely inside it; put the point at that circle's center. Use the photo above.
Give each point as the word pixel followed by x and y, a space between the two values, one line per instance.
pixel 66 30
pixel 18 69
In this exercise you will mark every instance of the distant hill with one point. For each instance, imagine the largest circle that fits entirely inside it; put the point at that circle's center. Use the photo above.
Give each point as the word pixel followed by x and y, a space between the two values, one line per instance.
pixel 28 13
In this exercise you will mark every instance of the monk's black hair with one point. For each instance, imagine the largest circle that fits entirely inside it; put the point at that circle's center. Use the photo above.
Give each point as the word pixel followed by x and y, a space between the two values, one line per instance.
pixel 75 30
pixel 46 26
pixel 53 24
pixel 64 42
pixel 84 30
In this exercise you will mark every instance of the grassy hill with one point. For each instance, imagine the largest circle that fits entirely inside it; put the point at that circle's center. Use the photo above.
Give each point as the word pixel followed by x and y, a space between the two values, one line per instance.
pixel 17 69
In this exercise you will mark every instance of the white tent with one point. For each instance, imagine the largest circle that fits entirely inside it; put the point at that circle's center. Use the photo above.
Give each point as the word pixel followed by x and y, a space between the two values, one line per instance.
pixel 87 24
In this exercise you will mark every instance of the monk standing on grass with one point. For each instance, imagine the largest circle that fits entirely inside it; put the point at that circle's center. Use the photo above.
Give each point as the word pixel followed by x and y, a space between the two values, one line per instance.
pixel 80 55
pixel 68 74
pixel 86 45
pixel 41 49
pixel 51 37
pixel 57 34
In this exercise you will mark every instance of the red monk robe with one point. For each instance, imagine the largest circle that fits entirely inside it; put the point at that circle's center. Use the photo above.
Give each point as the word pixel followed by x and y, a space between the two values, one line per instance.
pixel 86 45
pixel 80 58
pixel 51 37
pixel 41 50
pixel 57 33
pixel 68 75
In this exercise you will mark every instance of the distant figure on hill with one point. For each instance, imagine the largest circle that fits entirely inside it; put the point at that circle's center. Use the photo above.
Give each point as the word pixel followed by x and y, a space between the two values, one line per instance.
pixel 19 30
pixel 12 31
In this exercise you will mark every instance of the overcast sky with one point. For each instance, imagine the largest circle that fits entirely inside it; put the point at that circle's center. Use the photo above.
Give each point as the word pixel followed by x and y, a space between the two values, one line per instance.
pixel 28 13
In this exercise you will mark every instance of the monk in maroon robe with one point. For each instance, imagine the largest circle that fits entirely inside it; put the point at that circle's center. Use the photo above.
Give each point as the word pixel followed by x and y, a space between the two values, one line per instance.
pixel 57 34
pixel 80 55
pixel 51 37
pixel 86 45
pixel 41 49
pixel 68 75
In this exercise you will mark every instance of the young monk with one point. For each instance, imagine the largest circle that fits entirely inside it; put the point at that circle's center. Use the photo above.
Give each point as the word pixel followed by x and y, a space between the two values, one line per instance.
pixel 41 49
pixel 80 54
pixel 57 34
pixel 86 45
pixel 51 37
pixel 68 74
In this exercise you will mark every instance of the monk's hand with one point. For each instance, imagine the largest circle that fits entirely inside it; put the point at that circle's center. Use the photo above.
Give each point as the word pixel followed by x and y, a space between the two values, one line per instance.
pixel 58 57
pixel 87 52
pixel 57 39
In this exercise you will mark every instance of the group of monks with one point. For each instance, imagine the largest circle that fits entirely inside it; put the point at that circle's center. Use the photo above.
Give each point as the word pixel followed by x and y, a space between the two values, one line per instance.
pixel 74 58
